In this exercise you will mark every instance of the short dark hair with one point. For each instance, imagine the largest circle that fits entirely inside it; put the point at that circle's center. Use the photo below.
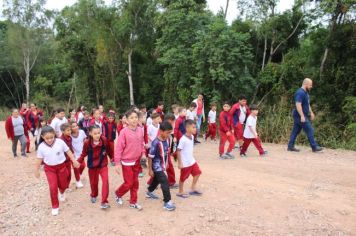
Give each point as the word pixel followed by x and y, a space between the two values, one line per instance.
pixel 59 110
pixel 160 103
pixel 180 109
pixel 111 114
pixel 130 111
pixel 142 106
pixel 242 97
pixel 193 104
pixel 226 103
pixel 65 126
pixel 154 116
pixel 169 116
pixel 213 104
pixel 253 107
pixel 92 127
pixel 165 126
pixel 189 123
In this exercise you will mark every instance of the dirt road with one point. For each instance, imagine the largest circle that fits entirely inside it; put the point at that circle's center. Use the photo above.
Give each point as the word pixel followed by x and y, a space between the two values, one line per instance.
pixel 283 194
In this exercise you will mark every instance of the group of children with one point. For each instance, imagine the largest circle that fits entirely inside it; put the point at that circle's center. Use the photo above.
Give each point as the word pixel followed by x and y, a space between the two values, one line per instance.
pixel 141 136
pixel 64 144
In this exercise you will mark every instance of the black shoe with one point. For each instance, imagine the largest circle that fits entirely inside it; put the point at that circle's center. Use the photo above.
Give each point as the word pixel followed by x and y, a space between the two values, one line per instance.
pixel 15 155
pixel 196 141
pixel 293 149
pixel 317 149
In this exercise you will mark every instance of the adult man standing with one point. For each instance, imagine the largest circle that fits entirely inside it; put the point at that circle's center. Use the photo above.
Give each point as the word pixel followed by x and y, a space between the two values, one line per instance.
pixel 200 113
pixel 303 115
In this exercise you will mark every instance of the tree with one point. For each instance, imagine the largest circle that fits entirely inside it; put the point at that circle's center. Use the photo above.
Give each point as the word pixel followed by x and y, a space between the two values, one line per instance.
pixel 26 34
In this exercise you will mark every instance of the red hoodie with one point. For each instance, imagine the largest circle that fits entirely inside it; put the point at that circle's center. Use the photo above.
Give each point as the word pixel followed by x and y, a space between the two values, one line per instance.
pixel 179 129
pixel 68 141
pixel 235 113
pixel 97 155
pixel 225 122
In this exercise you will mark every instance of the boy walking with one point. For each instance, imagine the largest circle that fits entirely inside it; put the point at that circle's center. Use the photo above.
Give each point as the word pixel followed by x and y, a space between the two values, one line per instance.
pixel 158 163
pixel 250 133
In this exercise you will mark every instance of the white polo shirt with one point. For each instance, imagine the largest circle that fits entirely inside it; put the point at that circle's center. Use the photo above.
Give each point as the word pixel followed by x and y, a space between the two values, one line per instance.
pixel 54 154
pixel 251 122
pixel 78 143
pixel 212 117
pixel 186 150
pixel 56 125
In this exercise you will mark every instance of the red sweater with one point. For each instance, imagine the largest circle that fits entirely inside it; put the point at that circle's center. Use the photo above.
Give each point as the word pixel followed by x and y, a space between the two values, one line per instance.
pixel 97 155
pixel 179 129
pixel 68 141
pixel 161 113
pixel 225 120
pixel 32 119
pixel 120 126
pixel 92 122
pixel 9 128
pixel 235 113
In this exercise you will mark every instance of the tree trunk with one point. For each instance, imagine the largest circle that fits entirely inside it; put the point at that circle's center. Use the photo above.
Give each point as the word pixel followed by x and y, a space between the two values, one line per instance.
pixel 129 75
pixel 264 53
pixel 324 60
pixel 27 75
pixel 226 8
pixel 271 51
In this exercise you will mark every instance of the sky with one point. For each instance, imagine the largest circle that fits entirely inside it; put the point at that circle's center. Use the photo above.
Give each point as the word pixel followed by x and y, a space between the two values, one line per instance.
pixel 214 6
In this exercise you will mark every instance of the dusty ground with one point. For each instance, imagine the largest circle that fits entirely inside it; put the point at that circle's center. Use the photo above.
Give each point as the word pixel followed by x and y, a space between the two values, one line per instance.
pixel 284 194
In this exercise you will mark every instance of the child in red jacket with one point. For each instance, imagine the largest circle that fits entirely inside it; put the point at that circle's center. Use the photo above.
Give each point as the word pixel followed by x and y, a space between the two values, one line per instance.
pixel 95 149
pixel 110 134
pixel 226 132
pixel 239 113
pixel 97 120
pixel 66 130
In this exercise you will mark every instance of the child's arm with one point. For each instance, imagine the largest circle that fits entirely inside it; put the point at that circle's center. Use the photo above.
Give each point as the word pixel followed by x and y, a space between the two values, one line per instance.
pixel 72 158
pixel 150 171
pixel 37 167
pixel 253 130
pixel 119 149
pixel 84 152
pixel 180 165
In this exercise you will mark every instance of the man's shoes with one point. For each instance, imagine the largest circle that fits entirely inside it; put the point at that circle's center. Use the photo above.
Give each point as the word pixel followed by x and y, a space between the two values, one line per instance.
pixel 317 149
pixel 293 149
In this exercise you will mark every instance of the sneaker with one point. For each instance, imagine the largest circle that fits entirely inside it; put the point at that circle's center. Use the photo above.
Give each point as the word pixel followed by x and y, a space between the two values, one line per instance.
pixel 119 200
pixel 79 184
pixel 55 211
pixel 141 175
pixel 243 155
pixel 61 197
pixel 196 141
pixel 24 155
pixel 317 149
pixel 174 186
pixel 93 199
pixel 151 195
pixel 169 206
pixel 264 154
pixel 293 149
pixel 223 157
pixel 135 206
pixel 105 206
pixel 15 155
pixel 229 155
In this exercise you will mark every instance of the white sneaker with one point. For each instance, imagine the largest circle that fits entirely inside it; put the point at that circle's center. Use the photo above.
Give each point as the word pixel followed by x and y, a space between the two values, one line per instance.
pixel 61 197
pixel 136 206
pixel 55 211
pixel 119 200
pixel 79 184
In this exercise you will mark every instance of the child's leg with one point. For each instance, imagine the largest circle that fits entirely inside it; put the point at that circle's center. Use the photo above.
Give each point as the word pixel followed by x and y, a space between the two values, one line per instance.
pixel 195 172
pixel 213 131
pixel 153 184
pixel 111 150
pixel 223 138
pixel 245 145
pixel 105 184
pixel 28 143
pixel 62 175
pixel 69 169
pixel 127 174
pixel 94 181
pixel 181 187
pixel 51 174
pixel 240 131
pixel 171 173
pixel 135 184
pixel 163 180
pixel 231 140
pixel 208 132
pixel 257 143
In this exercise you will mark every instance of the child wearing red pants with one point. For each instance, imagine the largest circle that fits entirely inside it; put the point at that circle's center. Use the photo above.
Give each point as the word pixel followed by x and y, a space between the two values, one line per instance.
pixel 97 162
pixel 51 152
pixel 65 136
pixel 226 132
pixel 78 138
pixel 250 133
pixel 128 151
pixel 186 162
pixel 110 134
pixel 211 132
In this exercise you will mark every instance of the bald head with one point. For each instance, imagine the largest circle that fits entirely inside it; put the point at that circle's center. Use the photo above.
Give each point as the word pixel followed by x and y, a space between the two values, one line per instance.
pixel 307 84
